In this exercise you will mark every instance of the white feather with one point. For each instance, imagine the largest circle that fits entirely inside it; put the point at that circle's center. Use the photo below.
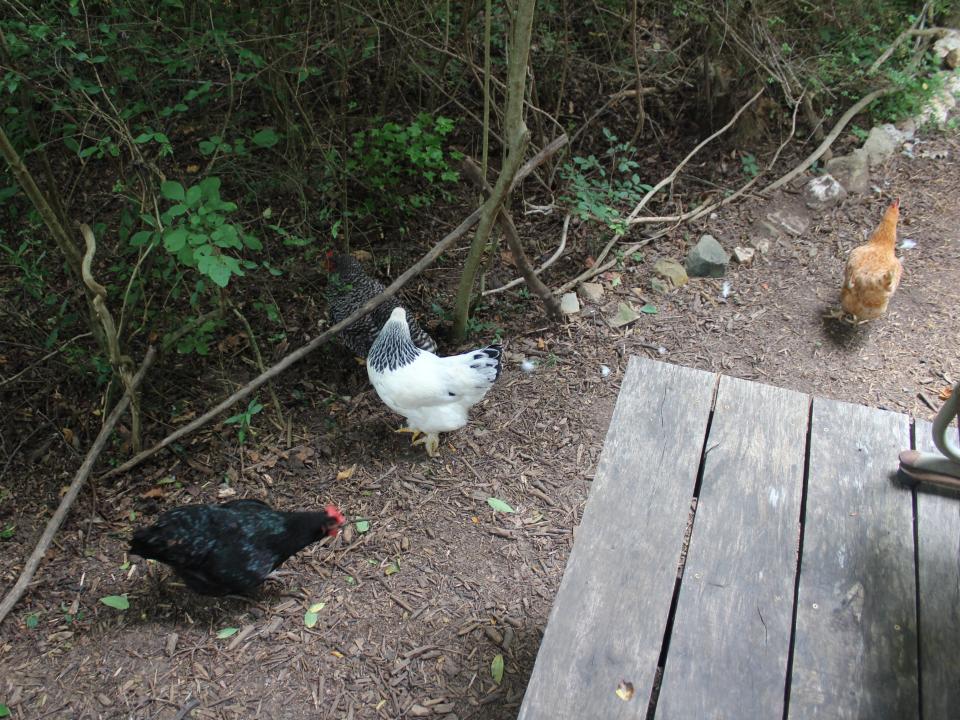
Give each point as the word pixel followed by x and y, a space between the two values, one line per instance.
pixel 434 393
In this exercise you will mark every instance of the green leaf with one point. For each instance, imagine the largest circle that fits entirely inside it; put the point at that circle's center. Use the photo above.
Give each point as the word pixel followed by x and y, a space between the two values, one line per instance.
pixel 8 531
pixel 193 196
pixel 499 505
pixel 362 526
pixel 311 616
pixel 214 268
pixel 174 239
pixel 226 632
pixel 143 137
pixel 391 569
pixel 141 238
pixel 4 711
pixel 496 669
pixel 117 602
pixel 266 138
pixel 32 621
pixel 172 190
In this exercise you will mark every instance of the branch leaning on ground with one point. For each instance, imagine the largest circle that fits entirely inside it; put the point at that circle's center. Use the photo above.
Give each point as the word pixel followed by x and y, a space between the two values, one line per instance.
pixel 366 309
pixel 553 258
pixel 828 140
pixel 600 266
pixel 631 218
pixel 551 304
pixel 33 562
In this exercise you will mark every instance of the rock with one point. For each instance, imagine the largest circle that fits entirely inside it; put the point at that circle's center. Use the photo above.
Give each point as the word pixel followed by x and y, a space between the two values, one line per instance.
pixel 852 171
pixel 744 255
pixel 908 128
pixel 625 315
pixel 658 285
pixel 591 291
pixel 672 271
pixel 948 48
pixel 952 59
pixel 879 146
pixel 760 244
pixel 823 192
pixel 789 217
pixel 569 305
pixel 707 258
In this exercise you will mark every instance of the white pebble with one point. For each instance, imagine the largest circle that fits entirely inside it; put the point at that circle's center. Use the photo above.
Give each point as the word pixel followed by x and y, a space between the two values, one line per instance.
pixel 725 290
pixel 604 371
pixel 662 350
pixel 528 366
pixel 907 244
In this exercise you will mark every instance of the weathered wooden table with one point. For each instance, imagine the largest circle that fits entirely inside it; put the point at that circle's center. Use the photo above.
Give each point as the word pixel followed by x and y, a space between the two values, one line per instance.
pixel 813 583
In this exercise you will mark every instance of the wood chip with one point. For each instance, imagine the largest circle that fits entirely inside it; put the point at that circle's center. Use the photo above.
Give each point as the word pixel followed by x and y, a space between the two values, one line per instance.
pixel 172 644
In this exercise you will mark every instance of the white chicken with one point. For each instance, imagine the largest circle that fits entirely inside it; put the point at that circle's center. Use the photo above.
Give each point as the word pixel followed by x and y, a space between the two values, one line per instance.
pixel 433 393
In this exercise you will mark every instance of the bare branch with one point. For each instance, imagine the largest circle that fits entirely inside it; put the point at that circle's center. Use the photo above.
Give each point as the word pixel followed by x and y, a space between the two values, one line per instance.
pixel 553 258
pixel 676 171
pixel 33 562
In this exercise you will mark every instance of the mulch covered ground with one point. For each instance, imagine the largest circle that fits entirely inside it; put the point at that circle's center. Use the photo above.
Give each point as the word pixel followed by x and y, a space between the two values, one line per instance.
pixel 416 608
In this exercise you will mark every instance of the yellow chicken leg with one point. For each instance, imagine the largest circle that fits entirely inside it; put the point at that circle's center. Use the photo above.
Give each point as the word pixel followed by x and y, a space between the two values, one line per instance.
pixel 414 432
pixel 431 443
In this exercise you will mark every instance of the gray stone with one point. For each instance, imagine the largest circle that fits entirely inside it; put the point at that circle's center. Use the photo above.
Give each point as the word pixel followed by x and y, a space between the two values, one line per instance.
pixel 744 255
pixel 591 291
pixel 625 315
pixel 569 304
pixel 660 286
pixel 707 258
pixel 789 217
pixel 952 59
pixel 908 128
pixel 879 146
pixel 672 271
pixel 852 171
pixel 948 48
pixel 760 244
pixel 823 192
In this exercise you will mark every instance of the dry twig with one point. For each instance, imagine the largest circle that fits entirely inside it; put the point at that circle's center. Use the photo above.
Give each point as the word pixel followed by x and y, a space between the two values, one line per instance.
pixel 33 562
pixel 368 307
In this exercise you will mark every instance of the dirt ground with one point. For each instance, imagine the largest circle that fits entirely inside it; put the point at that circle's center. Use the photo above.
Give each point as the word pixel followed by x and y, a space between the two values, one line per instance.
pixel 416 608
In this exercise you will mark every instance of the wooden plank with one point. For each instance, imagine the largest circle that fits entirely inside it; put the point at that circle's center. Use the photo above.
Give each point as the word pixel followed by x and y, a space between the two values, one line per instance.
pixel 938 550
pixel 855 639
pixel 609 617
pixel 731 633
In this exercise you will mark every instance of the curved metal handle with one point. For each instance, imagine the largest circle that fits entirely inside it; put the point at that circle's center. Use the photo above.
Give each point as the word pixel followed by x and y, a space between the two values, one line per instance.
pixel 945 437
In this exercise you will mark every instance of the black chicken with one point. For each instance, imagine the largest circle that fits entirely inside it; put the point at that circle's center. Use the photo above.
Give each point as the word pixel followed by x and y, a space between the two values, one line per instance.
pixel 231 548
pixel 354 288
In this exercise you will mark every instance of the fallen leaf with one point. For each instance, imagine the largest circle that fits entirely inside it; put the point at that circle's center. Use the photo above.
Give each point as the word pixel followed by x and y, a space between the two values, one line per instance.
pixel 391 569
pixel 117 602
pixel 649 309
pixel 625 691
pixel 496 669
pixel 154 492
pixel 945 393
pixel 362 525
pixel 348 473
pixel 312 614
pixel 499 505
pixel 4 711
pixel 226 632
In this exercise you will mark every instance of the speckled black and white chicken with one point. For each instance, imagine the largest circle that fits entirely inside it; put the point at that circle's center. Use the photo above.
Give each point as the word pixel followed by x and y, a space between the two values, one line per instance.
pixel 352 288
pixel 433 393
pixel 231 548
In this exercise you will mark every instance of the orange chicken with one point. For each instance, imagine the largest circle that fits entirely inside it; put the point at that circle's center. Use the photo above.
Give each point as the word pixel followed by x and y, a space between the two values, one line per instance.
pixel 873 270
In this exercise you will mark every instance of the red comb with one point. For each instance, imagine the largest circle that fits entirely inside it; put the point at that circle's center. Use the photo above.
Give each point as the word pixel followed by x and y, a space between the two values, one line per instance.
pixel 338 518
